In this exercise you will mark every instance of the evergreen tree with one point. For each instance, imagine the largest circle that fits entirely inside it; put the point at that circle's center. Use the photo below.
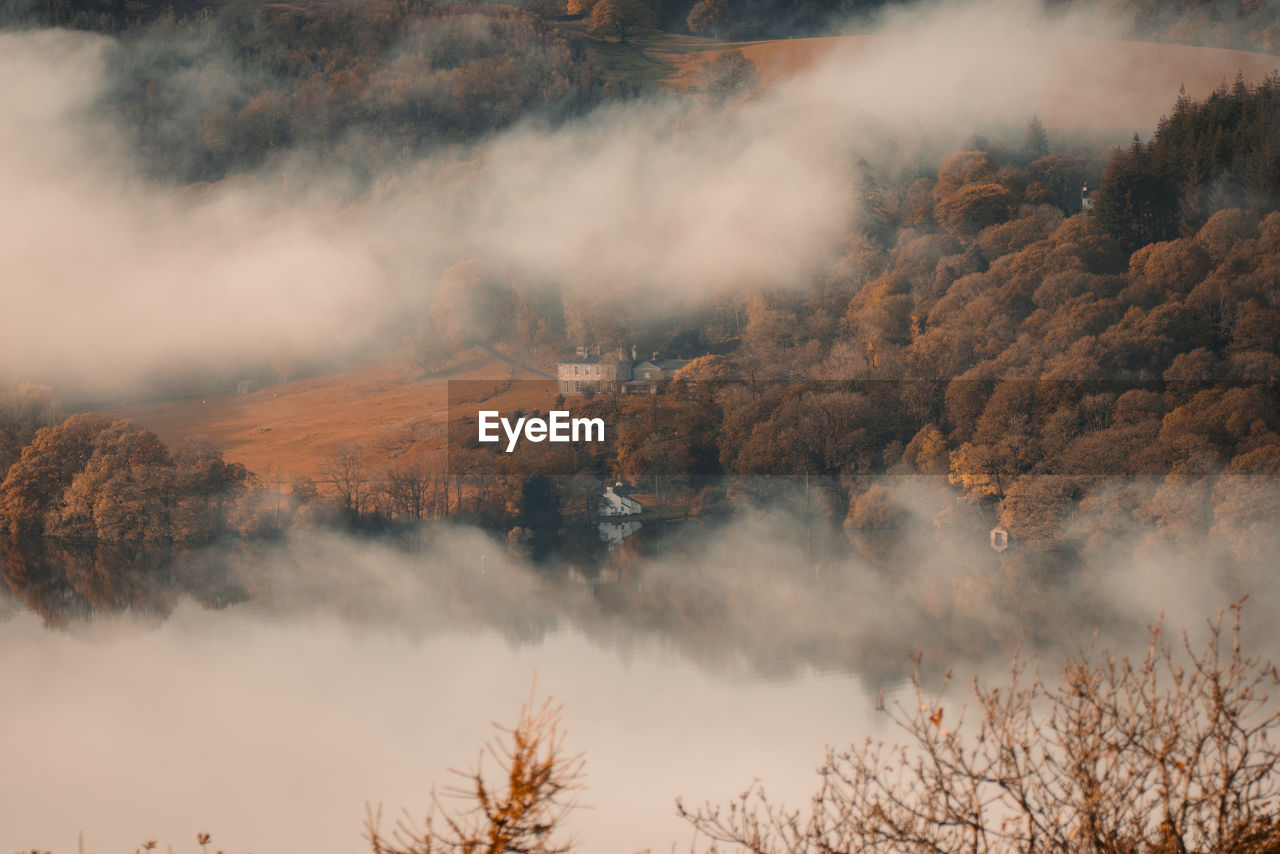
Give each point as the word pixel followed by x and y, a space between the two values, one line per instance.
pixel 1036 143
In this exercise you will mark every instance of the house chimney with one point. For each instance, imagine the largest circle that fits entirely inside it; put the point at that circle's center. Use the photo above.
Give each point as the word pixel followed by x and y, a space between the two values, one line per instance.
pixel 655 355
pixel 633 352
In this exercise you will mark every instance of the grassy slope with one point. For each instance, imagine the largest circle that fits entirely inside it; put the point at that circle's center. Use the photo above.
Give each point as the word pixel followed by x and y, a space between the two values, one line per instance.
pixel 1106 84
pixel 288 429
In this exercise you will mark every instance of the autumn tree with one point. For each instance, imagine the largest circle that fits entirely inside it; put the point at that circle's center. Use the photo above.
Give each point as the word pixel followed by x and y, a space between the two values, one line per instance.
pixel 523 812
pixel 620 18
pixel 1035 509
pixel 728 74
pixel 927 451
pixel 960 169
pixel 710 17
pixel 36 482
pixel 24 409
pixel 208 490
pixel 124 494
pixel 974 207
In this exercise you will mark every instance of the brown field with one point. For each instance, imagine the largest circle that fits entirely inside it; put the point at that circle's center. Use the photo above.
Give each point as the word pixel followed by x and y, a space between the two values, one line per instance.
pixel 287 429
pixel 1102 84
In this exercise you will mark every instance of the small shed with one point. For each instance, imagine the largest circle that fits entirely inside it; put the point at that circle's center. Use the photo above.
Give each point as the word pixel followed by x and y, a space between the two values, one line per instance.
pixel 999 538
pixel 244 387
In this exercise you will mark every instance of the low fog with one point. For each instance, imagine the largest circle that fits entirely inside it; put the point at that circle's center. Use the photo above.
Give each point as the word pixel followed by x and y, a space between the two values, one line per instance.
pixel 273 736
pixel 116 279
pixel 839 600
pixel 360 670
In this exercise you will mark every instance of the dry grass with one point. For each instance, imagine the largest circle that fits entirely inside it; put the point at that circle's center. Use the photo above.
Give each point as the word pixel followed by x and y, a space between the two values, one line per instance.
pixel 288 429
pixel 1105 85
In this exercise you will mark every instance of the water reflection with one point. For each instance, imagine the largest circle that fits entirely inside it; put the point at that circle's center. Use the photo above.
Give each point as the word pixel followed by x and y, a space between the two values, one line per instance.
pixel 271 733
pixel 614 532
pixel 767 596
pixel 318 670
pixel 65 583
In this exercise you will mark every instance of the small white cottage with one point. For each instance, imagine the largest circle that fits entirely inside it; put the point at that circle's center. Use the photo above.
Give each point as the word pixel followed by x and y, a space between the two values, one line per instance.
pixel 999 538
pixel 614 504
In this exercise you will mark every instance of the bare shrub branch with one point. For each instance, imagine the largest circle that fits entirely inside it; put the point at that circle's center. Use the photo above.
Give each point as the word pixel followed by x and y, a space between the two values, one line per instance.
pixel 1173 752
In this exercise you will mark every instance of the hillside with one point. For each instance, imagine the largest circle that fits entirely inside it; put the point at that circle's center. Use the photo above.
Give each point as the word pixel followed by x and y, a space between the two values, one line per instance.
pixel 287 429
pixel 1100 84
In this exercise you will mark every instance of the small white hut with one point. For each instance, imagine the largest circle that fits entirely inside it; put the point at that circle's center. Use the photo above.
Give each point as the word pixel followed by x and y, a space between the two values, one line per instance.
pixel 614 504
pixel 999 538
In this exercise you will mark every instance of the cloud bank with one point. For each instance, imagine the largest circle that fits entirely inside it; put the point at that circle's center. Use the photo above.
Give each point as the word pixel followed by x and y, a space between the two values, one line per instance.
pixel 117 278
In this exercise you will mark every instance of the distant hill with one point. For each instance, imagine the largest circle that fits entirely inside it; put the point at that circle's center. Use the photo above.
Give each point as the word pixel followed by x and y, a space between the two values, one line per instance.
pixel 1106 84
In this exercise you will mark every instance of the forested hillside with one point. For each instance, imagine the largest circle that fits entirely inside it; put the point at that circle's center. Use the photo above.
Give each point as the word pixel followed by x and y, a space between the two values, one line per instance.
pixel 980 326
pixel 1079 375
pixel 208 88
pixel 205 90
pixel 1225 23
pixel 1204 157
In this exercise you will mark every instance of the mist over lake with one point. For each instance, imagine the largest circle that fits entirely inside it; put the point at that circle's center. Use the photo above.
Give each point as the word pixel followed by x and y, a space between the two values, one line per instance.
pixel 927 352
pixel 271 733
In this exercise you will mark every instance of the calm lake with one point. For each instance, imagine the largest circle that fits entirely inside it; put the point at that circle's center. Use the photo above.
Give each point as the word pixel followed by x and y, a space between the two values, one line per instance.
pixel 326 672
pixel 271 734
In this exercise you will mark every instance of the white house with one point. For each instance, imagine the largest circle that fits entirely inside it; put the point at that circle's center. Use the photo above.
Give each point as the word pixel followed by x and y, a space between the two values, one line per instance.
pixel 613 504
pixel 597 373
pixel 999 538
pixel 646 375
pixel 593 372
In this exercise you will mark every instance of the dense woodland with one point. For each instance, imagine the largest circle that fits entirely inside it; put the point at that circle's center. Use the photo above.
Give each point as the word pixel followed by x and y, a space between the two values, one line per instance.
pixel 1247 24
pixel 204 91
pixel 210 88
pixel 980 326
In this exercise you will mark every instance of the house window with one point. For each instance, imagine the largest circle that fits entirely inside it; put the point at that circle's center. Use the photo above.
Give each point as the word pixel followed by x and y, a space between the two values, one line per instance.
pixel 577 386
pixel 575 370
pixel 597 370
